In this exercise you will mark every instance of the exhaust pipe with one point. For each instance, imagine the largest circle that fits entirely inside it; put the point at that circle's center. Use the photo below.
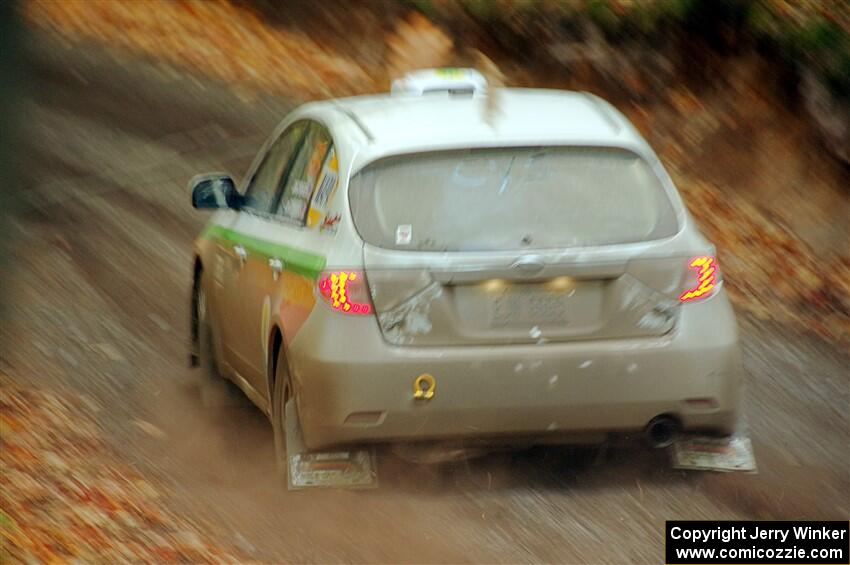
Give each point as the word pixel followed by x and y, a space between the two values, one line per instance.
pixel 662 431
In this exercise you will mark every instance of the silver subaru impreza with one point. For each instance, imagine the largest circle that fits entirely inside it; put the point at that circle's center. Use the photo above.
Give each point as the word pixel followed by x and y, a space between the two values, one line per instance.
pixel 446 262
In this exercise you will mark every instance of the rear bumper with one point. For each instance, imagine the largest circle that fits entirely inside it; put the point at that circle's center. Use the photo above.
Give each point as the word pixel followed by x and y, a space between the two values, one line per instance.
pixel 351 386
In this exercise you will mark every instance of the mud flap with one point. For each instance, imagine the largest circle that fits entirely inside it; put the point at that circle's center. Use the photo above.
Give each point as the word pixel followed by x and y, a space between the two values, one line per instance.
pixel 706 453
pixel 328 469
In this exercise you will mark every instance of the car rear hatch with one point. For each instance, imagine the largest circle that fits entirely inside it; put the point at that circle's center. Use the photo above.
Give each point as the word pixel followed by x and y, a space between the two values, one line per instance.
pixel 518 245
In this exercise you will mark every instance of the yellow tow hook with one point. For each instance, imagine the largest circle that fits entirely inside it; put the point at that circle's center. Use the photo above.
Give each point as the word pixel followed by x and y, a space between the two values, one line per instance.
pixel 424 387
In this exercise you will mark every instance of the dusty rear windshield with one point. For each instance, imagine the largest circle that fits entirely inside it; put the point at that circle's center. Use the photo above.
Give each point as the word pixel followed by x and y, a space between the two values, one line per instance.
pixel 509 199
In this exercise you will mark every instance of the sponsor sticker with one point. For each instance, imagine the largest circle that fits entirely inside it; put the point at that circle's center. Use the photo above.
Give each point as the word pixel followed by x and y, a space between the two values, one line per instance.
pixel 301 188
pixel 403 234
pixel 322 197
pixel 330 223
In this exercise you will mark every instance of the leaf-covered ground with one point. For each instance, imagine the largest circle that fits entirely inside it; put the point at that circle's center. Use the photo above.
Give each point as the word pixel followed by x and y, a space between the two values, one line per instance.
pixel 65 497
pixel 214 38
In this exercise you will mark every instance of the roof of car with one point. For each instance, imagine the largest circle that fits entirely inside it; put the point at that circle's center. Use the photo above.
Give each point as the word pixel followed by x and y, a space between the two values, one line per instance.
pixel 518 115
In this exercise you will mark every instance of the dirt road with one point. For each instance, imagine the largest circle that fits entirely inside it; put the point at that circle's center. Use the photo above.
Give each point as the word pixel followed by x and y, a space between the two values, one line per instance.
pixel 97 306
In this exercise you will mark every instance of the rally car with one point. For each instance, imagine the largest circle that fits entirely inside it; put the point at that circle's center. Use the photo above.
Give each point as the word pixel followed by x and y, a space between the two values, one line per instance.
pixel 448 262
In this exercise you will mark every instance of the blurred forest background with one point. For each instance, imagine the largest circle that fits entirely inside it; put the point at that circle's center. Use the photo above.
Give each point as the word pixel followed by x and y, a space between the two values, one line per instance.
pixel 635 49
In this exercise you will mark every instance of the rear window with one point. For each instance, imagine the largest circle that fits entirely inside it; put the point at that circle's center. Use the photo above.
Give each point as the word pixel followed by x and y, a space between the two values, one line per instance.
pixel 509 199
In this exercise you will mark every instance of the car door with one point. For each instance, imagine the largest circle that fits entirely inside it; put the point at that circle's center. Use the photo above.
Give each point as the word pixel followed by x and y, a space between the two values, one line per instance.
pixel 275 239
pixel 248 253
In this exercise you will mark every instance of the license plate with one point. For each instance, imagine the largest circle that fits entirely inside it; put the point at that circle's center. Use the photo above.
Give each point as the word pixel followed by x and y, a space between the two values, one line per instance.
pixel 526 304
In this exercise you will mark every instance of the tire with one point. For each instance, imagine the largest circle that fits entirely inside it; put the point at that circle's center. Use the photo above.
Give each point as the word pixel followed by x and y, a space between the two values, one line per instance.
pixel 215 391
pixel 281 396
pixel 206 346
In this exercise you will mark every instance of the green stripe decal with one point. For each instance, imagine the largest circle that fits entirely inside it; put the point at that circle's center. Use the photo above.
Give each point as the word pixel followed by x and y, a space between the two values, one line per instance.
pixel 295 260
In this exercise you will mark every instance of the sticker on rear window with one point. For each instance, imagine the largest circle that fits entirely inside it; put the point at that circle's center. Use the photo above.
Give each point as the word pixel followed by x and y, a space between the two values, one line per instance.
pixel 328 181
pixel 323 194
pixel 403 234
pixel 302 188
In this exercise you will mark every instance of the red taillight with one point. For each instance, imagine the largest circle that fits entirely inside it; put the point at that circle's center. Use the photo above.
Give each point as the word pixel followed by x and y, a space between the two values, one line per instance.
pixel 345 291
pixel 706 280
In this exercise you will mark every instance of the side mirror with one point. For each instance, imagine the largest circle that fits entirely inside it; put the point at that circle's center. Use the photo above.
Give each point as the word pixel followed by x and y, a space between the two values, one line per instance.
pixel 214 190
